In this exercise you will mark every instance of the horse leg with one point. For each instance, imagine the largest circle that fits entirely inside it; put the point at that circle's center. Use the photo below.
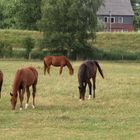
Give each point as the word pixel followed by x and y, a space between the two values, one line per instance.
pixel 33 94
pixel 28 96
pixel 94 86
pixel 83 93
pixel 21 99
pixel 61 68
pixel 48 69
pixel 0 88
pixel 90 91
pixel 45 69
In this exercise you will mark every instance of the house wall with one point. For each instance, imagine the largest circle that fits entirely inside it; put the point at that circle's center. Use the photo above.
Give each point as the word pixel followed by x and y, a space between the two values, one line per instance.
pixel 127 24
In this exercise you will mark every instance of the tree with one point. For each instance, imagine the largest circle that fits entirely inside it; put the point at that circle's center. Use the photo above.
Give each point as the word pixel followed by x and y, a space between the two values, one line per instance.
pixel 7 13
pixel 28 44
pixel 1 16
pixel 136 8
pixel 69 24
pixel 28 14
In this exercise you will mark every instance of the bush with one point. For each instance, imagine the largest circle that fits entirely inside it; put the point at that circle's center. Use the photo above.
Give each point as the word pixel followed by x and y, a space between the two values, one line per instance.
pixel 28 44
pixel 5 50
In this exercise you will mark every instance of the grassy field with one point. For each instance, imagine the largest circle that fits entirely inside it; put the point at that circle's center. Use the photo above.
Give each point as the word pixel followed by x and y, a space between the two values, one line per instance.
pixel 113 115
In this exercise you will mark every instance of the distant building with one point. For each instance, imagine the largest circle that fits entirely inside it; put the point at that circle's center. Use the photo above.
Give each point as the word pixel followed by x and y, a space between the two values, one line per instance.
pixel 117 15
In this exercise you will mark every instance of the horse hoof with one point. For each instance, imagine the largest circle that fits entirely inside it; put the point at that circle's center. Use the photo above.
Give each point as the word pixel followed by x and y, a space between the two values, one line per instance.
pixel 89 97
pixel 26 106
pixel 20 108
pixel 33 106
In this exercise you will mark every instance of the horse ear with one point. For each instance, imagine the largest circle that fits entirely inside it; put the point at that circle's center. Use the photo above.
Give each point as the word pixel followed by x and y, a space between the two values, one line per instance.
pixel 11 94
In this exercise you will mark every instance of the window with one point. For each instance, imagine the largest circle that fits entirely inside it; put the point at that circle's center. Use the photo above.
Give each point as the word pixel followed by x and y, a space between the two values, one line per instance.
pixel 112 19
pixel 120 19
pixel 106 19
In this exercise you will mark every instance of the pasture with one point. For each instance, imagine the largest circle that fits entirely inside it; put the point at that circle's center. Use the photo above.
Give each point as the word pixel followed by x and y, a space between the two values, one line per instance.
pixel 59 115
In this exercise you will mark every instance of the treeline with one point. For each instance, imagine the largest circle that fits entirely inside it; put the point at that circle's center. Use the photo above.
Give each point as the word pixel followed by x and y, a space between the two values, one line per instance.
pixel 107 46
pixel 20 14
pixel 68 27
pixel 26 14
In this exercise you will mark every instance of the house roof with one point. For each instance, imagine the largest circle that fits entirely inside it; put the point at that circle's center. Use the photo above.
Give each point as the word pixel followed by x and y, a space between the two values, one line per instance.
pixel 116 7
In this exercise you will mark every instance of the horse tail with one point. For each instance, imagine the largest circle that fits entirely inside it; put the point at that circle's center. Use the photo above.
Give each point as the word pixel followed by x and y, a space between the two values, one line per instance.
pixel 99 68
pixel 70 67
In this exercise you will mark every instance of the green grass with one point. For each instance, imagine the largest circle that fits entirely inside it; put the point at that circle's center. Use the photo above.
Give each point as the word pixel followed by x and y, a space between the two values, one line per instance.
pixel 106 41
pixel 106 46
pixel 114 114
pixel 15 37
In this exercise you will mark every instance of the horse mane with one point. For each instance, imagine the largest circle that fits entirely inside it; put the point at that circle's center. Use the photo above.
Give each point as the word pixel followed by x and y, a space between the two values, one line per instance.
pixel 69 65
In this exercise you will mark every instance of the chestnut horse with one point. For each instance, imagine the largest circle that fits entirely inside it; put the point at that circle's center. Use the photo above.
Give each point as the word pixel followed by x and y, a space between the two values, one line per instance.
pixel 1 81
pixel 24 78
pixel 87 71
pixel 58 61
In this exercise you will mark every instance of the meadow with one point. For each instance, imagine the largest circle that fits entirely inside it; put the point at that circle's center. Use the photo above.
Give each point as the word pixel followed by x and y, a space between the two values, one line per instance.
pixel 59 115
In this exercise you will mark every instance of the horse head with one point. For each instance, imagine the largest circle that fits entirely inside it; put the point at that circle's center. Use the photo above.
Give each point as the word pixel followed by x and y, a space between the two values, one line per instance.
pixel 13 100
pixel 82 90
pixel 71 71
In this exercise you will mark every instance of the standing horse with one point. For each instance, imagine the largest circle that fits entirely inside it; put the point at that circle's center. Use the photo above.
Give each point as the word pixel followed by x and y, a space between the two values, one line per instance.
pixel 1 81
pixel 24 78
pixel 87 70
pixel 58 61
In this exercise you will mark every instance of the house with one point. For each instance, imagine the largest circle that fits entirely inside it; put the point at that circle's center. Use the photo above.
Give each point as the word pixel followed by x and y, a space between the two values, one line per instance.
pixel 117 15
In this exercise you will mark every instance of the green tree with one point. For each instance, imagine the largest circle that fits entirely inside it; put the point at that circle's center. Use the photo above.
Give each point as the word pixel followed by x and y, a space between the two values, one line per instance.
pixel 28 44
pixel 28 14
pixel 5 50
pixel 1 16
pixel 69 24
pixel 136 8
pixel 7 13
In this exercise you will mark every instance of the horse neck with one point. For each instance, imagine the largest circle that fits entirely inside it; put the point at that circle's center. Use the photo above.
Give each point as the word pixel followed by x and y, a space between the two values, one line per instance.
pixel 16 83
pixel 82 75
pixel 69 65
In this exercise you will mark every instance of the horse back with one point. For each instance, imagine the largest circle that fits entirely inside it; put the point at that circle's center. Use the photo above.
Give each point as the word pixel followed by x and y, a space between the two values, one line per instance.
pixel 55 60
pixel 26 76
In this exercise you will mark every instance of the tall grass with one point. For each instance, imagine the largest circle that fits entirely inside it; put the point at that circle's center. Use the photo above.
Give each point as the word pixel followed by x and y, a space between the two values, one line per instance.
pixel 114 114
pixel 118 46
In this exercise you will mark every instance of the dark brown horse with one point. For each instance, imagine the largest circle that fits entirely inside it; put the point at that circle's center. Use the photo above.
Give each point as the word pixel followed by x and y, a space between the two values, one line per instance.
pixel 1 81
pixel 57 61
pixel 24 78
pixel 87 71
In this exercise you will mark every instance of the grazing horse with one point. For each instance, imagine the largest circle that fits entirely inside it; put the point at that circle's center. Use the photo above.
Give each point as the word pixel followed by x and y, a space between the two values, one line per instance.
pixel 1 81
pixel 24 78
pixel 87 70
pixel 58 61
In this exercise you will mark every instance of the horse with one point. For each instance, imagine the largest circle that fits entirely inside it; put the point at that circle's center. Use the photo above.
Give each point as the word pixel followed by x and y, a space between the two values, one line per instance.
pixel 87 71
pixel 57 61
pixel 1 81
pixel 24 78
